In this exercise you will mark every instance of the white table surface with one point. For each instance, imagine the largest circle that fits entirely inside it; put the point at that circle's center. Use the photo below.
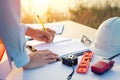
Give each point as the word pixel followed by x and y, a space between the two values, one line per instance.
pixel 58 71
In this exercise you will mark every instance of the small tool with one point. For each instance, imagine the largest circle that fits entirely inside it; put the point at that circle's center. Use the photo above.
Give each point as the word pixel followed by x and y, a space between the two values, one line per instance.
pixel 103 65
pixel 70 60
pixel 31 48
pixel 84 63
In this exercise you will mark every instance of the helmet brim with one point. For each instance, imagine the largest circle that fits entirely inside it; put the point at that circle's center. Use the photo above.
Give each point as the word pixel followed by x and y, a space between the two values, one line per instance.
pixel 100 52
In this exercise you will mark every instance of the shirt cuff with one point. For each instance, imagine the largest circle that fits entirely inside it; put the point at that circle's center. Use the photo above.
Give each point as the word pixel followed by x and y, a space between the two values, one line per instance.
pixel 24 27
pixel 21 60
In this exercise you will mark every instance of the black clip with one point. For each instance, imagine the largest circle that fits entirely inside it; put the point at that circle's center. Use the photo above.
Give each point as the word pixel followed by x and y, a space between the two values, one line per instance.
pixel 31 48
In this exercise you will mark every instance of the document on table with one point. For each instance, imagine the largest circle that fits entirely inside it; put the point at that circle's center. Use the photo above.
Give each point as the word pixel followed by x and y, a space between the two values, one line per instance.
pixel 60 45
pixel 56 27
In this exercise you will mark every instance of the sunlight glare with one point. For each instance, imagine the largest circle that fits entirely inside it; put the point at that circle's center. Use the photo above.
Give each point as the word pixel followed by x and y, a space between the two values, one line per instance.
pixel 40 6
pixel 36 6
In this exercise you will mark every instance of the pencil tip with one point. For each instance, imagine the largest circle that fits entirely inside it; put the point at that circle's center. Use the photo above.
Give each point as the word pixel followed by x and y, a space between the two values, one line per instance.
pixel 37 15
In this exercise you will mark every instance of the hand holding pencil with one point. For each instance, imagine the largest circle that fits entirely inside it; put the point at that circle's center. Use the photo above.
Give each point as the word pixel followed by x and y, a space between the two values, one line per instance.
pixel 46 35
pixel 44 28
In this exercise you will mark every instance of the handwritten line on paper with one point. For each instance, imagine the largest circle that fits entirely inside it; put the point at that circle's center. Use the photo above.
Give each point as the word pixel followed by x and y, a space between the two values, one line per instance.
pixel 61 41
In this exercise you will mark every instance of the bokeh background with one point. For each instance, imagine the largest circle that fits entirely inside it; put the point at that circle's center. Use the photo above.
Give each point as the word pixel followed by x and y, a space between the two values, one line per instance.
pixel 88 12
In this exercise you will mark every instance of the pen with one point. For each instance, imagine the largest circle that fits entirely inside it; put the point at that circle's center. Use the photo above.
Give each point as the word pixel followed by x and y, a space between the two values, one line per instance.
pixel 44 28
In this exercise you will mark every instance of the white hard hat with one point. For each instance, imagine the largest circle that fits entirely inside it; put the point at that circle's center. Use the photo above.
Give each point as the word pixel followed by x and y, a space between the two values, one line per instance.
pixel 107 39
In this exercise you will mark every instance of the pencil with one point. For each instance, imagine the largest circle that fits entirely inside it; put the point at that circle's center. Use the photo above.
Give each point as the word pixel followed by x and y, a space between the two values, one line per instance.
pixel 44 28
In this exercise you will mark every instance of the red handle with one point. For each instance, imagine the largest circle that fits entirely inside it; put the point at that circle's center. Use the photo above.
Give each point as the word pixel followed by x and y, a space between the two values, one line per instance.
pixel 2 50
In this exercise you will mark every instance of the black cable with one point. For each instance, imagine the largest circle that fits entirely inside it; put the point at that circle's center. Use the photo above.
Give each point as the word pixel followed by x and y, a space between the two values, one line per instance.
pixel 114 56
pixel 70 76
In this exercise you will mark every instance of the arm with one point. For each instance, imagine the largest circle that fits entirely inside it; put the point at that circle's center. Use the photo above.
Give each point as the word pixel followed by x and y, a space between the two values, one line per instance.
pixel 12 35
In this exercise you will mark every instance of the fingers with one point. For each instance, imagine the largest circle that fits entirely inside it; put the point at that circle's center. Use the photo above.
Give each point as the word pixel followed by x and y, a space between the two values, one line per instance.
pixel 51 61
pixel 46 36
pixel 48 55
pixel 42 35
pixel 52 33
pixel 40 58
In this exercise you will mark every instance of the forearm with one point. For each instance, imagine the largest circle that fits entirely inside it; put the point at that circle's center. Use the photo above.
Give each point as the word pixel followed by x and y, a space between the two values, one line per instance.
pixel 11 33
pixel 30 32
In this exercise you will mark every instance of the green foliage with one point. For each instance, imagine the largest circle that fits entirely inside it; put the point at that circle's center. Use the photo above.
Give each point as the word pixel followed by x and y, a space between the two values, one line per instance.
pixel 93 16
pixel 27 17
pixel 54 15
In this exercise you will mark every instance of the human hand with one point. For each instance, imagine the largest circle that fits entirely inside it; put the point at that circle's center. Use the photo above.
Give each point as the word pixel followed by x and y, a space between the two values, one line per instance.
pixel 41 35
pixel 41 58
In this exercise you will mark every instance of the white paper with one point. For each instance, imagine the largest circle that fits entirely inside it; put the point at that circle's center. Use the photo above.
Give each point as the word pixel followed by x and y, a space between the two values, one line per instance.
pixel 60 45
